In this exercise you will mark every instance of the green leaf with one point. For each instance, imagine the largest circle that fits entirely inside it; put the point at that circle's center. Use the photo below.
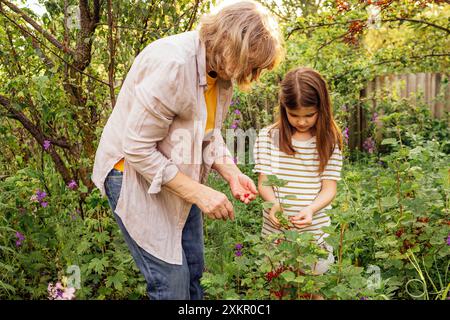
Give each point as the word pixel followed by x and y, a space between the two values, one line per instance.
pixel 388 202
pixel 288 275
pixel 116 280
pixel 389 141
pixel 98 265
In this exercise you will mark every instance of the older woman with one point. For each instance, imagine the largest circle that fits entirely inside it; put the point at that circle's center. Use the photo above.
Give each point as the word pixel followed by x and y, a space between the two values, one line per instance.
pixel 163 137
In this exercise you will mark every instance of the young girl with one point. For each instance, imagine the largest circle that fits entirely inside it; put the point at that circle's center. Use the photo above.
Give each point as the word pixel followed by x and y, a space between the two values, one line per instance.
pixel 303 148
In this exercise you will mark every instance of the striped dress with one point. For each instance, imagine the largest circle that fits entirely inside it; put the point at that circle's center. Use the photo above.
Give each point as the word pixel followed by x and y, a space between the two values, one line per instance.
pixel 301 173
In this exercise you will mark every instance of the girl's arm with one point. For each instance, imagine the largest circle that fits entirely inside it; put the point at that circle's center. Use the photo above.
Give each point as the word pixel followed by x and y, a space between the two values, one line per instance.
pixel 268 194
pixel 325 196
pixel 323 199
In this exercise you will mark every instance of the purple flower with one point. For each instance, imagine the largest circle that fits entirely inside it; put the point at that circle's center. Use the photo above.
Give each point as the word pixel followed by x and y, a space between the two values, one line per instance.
pixel 235 160
pixel 72 185
pixel 47 144
pixel 40 195
pixel 448 240
pixel 74 215
pixel 363 298
pixel 235 124
pixel 238 246
pixel 346 135
pixel 44 204
pixel 237 111
pixel 234 102
pixel 374 117
pixel 20 238
pixel 238 253
pixel 344 108
pixel 369 145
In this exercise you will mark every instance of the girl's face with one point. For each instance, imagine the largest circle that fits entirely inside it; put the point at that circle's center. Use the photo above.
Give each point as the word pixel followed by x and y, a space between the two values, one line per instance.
pixel 303 119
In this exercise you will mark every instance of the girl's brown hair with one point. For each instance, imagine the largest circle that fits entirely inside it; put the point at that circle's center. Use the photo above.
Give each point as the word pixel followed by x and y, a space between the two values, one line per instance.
pixel 305 87
pixel 241 40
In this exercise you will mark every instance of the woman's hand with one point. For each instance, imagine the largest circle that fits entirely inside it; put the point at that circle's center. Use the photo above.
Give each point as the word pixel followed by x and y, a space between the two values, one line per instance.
pixel 243 188
pixel 214 204
pixel 303 218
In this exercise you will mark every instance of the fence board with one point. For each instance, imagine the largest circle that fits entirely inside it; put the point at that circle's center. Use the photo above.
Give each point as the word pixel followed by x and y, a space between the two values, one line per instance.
pixel 427 86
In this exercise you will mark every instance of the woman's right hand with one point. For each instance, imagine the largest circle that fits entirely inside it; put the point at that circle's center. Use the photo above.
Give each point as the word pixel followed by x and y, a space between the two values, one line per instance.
pixel 214 204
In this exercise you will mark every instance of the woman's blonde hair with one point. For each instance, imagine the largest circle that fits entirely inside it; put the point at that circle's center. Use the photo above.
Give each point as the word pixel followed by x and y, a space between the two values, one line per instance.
pixel 241 40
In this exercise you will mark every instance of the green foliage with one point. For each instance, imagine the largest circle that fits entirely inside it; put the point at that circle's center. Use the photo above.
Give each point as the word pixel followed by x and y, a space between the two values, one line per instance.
pixel 56 237
pixel 390 218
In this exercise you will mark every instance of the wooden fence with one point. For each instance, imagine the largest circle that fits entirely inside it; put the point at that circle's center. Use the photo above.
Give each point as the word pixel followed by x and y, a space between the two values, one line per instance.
pixel 429 87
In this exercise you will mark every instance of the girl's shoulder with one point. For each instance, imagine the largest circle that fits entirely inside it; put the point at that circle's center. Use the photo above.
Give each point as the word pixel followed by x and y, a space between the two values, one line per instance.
pixel 268 131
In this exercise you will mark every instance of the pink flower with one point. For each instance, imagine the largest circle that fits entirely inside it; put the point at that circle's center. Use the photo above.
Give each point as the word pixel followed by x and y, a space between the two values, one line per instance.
pixel 68 294
pixel 59 292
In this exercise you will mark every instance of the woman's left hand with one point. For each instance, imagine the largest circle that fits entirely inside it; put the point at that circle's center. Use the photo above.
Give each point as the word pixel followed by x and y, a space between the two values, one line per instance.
pixel 243 188
pixel 303 218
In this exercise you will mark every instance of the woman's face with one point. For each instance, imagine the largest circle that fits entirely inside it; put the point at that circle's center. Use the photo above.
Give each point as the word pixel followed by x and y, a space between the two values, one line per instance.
pixel 223 73
pixel 303 119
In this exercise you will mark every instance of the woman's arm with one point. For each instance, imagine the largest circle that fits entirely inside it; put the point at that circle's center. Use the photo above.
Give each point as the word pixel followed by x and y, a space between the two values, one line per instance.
pixel 213 203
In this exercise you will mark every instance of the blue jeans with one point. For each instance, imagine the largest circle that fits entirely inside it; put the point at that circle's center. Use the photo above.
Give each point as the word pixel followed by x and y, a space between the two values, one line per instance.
pixel 166 281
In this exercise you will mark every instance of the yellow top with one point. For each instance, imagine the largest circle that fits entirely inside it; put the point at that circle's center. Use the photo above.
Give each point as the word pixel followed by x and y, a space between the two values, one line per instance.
pixel 211 102
pixel 211 106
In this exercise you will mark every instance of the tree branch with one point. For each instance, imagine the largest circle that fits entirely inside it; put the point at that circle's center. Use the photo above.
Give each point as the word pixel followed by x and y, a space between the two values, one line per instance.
pixel 111 45
pixel 25 31
pixel 193 15
pixel 444 54
pixel 418 21
pixel 37 27
pixel 320 25
pixel 38 136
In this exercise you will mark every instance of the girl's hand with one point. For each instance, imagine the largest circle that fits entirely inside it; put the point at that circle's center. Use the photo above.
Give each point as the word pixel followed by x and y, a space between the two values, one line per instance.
pixel 243 188
pixel 272 218
pixel 303 218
